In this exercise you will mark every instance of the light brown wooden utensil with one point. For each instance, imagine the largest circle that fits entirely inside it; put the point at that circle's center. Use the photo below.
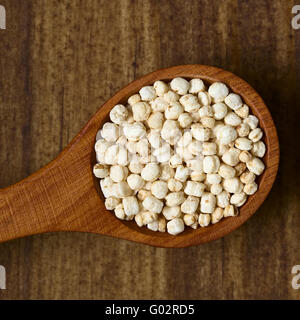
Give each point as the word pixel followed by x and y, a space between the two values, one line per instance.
pixel 65 196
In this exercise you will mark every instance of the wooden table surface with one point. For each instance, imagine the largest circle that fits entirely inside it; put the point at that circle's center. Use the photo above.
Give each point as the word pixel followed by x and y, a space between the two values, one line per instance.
pixel 61 59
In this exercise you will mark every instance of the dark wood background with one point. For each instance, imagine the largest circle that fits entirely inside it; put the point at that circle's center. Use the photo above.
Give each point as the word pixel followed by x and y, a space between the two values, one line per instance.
pixel 61 59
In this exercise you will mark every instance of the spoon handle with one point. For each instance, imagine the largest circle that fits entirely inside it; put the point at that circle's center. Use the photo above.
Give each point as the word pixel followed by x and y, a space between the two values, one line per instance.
pixel 59 197
pixel 30 206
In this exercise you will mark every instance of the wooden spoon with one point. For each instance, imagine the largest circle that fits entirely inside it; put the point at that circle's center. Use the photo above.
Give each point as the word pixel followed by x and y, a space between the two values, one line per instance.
pixel 65 196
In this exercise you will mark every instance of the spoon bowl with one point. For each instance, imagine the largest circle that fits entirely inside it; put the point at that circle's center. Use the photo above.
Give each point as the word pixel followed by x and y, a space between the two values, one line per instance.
pixel 65 195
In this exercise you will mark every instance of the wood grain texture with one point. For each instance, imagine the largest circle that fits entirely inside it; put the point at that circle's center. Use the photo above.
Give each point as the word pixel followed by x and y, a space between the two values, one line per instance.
pixel 60 60
pixel 64 195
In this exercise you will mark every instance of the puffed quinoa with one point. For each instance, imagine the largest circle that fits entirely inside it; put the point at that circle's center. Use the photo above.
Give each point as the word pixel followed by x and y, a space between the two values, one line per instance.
pixel 159 189
pixel 230 211
pixel 171 96
pixel 195 116
pixel 121 189
pixel 252 121
pixel 233 101
pixel 243 129
pixel 175 226
pixel 154 139
pixel 119 212
pixel 213 178
pixel 190 205
pixel 247 177
pixel 220 111
pixel 153 225
pixel 190 103
pixel 153 204
pixel 174 185
pixel 173 111
pixel 180 86
pixel 196 85
pixel 134 99
pixel 204 219
pixel 159 104
pixel 110 132
pixel 106 186
pixel 179 153
pixel 100 171
pixel 195 148
pixel 255 135
pixel 226 171
pixel 171 131
pixel 166 172
pixel 243 144
pixel 143 194
pixel 194 188
pixel 258 149
pixel 160 88
pixel 171 212
pixel 147 93
pixel 182 173
pixel 250 188
pixel 245 156
pixel 139 219
pixel 232 119
pixel 231 157
pixel 243 111
pixel 162 224
pixel 150 172
pixel 217 215
pixel 135 166
pixel 163 154
pixel 218 91
pixel 135 181
pixel 256 166
pixel 118 114
pixel 216 189
pixel 211 164
pixel 147 185
pixel 209 148
pixel 222 148
pixel 204 98
pixel 240 168
pixel 195 164
pixel 175 199
pixel 148 217
pixel 156 120
pixel 238 199
pixel 198 176
pixel 175 160
pixel 134 131
pixel 141 111
pixel 206 111
pixel 118 173
pixel 232 185
pixel 131 206
pixel 199 132
pixel 223 199
pixel 185 140
pixel 208 122
pixel 226 134
pixel 208 203
pixel 111 155
pixel 111 203
pixel 185 120
pixel 190 219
